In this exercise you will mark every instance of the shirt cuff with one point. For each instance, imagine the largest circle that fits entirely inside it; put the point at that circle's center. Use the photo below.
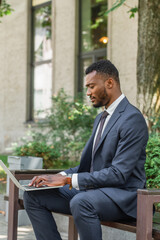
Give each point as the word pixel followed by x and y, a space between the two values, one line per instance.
pixel 75 181
pixel 63 173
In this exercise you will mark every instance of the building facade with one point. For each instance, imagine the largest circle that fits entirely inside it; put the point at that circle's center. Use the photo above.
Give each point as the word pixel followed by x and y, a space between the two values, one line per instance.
pixel 46 45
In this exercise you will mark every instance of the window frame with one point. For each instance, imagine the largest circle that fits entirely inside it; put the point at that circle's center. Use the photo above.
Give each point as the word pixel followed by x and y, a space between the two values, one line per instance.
pixel 34 63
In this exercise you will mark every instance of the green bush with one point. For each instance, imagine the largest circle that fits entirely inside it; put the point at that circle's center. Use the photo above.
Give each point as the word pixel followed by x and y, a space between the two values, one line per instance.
pixel 2 172
pixel 61 137
pixel 152 165
pixel 4 159
pixel 155 123
pixel 49 153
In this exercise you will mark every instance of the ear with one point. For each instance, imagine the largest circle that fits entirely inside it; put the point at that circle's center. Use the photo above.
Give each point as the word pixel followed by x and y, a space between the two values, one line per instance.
pixel 109 83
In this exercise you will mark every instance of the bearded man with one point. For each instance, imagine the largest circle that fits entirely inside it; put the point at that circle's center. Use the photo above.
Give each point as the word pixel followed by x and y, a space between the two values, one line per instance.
pixel 104 185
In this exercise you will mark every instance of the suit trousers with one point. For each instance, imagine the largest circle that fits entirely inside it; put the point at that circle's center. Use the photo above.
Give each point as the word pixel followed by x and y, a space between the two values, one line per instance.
pixel 87 207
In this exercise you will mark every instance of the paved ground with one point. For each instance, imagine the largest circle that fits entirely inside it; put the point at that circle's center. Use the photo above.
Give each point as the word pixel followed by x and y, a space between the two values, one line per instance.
pixel 24 232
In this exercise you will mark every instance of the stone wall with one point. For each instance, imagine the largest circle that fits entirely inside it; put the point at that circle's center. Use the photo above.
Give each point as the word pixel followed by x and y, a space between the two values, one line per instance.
pixel 64 31
pixel 13 73
pixel 122 46
pixel 15 65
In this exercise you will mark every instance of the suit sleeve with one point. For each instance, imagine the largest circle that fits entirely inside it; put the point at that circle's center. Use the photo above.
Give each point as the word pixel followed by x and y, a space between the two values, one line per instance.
pixel 132 142
pixel 72 170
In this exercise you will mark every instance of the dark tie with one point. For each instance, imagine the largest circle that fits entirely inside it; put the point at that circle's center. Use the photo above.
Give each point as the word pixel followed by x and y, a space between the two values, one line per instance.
pixel 102 121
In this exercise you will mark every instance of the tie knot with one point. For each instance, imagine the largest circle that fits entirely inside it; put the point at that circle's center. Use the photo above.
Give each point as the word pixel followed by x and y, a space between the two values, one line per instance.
pixel 105 114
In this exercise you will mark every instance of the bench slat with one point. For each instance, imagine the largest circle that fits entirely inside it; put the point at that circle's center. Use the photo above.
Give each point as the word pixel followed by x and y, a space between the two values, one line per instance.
pixel 130 227
pixel 125 226
pixel 149 191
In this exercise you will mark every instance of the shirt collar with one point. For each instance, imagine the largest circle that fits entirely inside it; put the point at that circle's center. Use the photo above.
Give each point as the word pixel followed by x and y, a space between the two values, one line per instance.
pixel 113 106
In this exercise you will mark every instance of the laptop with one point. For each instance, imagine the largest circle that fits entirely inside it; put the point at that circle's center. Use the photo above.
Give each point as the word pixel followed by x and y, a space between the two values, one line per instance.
pixel 23 187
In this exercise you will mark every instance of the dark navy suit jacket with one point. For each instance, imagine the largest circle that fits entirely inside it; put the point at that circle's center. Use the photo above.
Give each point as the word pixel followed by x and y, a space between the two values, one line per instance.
pixel 119 158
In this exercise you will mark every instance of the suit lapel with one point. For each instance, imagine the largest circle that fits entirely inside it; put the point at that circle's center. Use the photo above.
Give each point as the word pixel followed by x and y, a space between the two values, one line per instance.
pixel 115 116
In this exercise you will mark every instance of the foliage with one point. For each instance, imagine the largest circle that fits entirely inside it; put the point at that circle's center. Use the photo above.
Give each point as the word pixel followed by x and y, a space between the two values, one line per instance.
pixel 156 126
pixel 2 173
pixel 155 123
pixel 48 152
pixel 94 26
pixel 44 19
pixel 152 165
pixel 5 8
pixel 63 134
pixel 4 158
pixel 132 12
pixel 118 4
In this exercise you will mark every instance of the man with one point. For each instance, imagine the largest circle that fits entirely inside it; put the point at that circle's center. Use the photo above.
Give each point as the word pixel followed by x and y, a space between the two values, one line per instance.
pixel 104 185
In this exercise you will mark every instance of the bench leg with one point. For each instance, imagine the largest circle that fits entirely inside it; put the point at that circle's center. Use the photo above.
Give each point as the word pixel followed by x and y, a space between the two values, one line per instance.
pixel 13 211
pixel 72 231
pixel 144 217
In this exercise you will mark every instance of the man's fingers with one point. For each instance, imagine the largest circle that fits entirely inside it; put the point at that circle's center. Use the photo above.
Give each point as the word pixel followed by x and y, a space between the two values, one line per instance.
pixel 49 180
pixel 36 180
pixel 32 181
pixel 42 183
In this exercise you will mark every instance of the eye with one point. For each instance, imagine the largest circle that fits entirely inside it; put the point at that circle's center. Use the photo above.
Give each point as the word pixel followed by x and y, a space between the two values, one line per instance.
pixel 92 87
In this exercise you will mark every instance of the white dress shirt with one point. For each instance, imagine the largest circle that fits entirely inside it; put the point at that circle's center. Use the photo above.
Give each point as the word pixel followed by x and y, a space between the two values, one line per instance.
pixel 110 111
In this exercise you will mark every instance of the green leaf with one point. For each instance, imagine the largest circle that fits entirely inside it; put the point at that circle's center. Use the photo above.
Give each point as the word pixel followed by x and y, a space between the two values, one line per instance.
pixel 116 5
pixel 5 9
pixel 132 12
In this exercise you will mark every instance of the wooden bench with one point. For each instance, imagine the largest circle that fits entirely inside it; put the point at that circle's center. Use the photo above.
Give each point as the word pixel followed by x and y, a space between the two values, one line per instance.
pixel 143 228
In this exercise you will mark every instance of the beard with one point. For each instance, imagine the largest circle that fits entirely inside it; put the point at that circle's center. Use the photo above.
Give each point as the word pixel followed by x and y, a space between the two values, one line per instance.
pixel 98 105
pixel 103 100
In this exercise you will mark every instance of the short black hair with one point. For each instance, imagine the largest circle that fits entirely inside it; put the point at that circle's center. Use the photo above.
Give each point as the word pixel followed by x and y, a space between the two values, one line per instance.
pixel 104 67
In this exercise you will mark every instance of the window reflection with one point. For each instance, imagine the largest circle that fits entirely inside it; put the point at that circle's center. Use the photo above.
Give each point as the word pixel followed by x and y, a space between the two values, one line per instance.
pixel 93 35
pixel 42 39
pixel 42 89
pixel 94 24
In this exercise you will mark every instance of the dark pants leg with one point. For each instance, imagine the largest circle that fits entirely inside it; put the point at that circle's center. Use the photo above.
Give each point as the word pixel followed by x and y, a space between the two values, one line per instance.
pixel 89 208
pixel 39 205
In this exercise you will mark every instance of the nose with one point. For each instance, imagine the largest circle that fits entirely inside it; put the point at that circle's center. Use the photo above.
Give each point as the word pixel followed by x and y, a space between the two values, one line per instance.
pixel 88 92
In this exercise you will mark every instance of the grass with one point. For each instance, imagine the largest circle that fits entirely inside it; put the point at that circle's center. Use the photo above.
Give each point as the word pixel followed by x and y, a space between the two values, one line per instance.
pixel 4 159
pixel 3 175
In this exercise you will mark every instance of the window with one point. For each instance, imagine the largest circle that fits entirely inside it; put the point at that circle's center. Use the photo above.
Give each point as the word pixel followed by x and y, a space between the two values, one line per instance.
pixel 93 35
pixel 41 59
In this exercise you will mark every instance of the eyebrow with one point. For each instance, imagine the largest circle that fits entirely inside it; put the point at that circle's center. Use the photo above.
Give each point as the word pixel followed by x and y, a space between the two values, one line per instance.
pixel 92 83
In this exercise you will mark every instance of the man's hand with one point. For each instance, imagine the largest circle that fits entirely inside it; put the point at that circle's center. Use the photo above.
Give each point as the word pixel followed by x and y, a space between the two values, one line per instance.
pixel 49 180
